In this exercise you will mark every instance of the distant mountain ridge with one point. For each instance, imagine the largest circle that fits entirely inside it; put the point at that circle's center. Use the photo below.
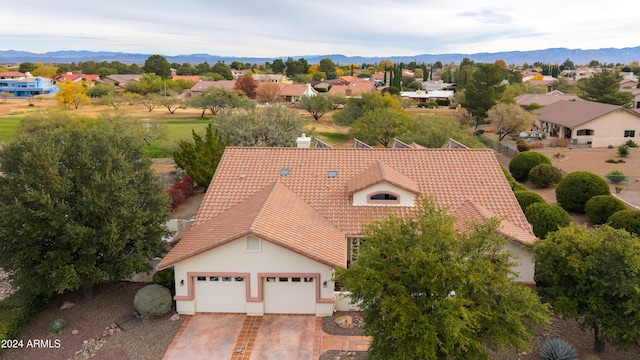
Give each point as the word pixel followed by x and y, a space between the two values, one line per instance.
pixel 547 56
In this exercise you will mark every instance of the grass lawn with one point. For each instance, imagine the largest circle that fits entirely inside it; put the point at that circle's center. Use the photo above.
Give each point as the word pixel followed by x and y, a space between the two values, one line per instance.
pixel 173 132
pixel 332 138
pixel 8 126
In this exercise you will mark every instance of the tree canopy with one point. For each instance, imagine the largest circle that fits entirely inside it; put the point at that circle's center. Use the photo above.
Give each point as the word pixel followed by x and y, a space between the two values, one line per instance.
pixel 247 85
pixel 215 99
pixel 509 119
pixel 357 107
pixel 316 105
pixel 157 64
pixel 484 89
pixel 593 276
pixel 432 292
pixel 78 207
pixel 200 158
pixel 381 126
pixel 72 94
pixel 604 87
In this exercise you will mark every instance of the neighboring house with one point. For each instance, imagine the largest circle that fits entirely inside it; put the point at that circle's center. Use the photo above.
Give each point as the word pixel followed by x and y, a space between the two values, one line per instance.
pixel 202 86
pixel 120 81
pixel 27 86
pixel 239 73
pixel 291 93
pixel 271 78
pixel 355 89
pixel 545 99
pixel 589 123
pixel 90 78
pixel 191 78
pixel 276 222
pixel 631 85
pixel 421 96
pixel 12 75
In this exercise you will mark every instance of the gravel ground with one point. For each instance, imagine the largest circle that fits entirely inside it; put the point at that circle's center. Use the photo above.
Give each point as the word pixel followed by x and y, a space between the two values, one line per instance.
pixel 330 327
pixel 149 340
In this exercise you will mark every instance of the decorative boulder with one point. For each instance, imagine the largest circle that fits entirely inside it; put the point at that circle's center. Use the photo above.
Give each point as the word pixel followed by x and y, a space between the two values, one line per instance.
pixel 153 300
pixel 345 322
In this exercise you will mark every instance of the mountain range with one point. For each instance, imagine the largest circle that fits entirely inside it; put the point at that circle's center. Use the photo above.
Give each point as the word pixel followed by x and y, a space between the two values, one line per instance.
pixel 546 56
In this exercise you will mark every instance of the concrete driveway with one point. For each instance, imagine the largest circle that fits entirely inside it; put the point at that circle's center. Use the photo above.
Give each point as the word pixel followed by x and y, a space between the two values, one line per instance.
pixel 237 336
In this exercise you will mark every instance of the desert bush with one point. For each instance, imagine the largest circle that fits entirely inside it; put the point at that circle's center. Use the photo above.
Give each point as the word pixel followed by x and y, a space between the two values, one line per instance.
pixel 185 187
pixel 543 175
pixel 521 145
pixel 165 278
pixel 559 143
pixel 522 163
pixel 575 189
pixel 631 144
pixel 490 129
pixel 16 310
pixel 612 161
pixel 176 196
pixel 536 145
pixel 600 207
pixel 526 198
pixel 152 300
pixel 616 176
pixel 557 349
pixel 623 151
pixel 546 218
pixel 57 326
pixel 513 183
pixel 626 219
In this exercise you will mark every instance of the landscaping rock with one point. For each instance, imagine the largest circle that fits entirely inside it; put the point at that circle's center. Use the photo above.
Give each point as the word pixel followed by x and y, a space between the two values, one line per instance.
pixel 175 317
pixel 67 305
pixel 345 321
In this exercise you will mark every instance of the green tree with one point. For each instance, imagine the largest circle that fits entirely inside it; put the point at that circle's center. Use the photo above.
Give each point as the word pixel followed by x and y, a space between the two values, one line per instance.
pixel 172 103
pixel 78 207
pixel 100 90
pixel 278 66
pixel 117 100
pixel 357 107
pixel 222 69
pixel 200 158
pixel 381 126
pixel 316 105
pixel 593 276
pixel 268 126
pixel 484 90
pixel 338 100
pixel 433 131
pixel 600 207
pixel 215 99
pixel 509 119
pixel 521 164
pixel 157 64
pixel 149 84
pixel 26 67
pixel 575 189
pixel 604 88
pixel 430 291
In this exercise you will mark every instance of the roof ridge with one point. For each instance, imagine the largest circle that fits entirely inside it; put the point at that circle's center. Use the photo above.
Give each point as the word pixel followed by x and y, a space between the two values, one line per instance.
pixel 264 203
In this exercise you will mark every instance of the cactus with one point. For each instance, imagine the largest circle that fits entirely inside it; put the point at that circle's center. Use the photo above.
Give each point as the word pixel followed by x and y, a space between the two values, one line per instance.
pixel 153 300
pixel 57 326
pixel 557 349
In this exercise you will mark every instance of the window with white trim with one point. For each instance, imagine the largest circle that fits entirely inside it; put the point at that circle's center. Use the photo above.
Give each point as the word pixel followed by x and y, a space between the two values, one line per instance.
pixel 383 197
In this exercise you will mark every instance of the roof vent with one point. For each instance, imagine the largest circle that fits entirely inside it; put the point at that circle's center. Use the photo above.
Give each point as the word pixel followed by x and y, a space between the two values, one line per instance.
pixel 284 172
pixel 332 174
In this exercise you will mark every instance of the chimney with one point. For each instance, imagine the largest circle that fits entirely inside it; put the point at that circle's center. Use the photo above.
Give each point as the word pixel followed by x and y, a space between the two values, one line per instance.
pixel 304 142
pixel 347 91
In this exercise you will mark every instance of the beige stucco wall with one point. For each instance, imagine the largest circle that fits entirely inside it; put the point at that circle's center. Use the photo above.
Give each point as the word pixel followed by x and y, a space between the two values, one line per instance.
pixel 406 197
pixel 609 129
pixel 526 267
pixel 232 257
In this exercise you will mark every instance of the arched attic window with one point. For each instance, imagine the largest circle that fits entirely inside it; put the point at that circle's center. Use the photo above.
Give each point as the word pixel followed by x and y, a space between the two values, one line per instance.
pixel 383 197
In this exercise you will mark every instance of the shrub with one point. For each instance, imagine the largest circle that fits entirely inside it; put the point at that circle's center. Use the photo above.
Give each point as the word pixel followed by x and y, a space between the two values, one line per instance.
pixel 559 143
pixel 16 310
pixel 152 300
pixel 600 207
pixel 57 326
pixel 543 175
pixel 612 161
pixel 165 278
pixel 176 196
pixel 626 219
pixel 623 151
pixel 522 163
pixel 521 145
pixel 184 187
pixel 526 198
pixel 515 186
pixel 631 144
pixel 536 145
pixel 557 349
pixel 533 106
pixel 616 176
pixel 577 188
pixel 546 218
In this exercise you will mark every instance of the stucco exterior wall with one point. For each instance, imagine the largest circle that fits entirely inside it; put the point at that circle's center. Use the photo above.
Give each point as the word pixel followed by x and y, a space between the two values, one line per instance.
pixel 526 267
pixel 609 129
pixel 234 258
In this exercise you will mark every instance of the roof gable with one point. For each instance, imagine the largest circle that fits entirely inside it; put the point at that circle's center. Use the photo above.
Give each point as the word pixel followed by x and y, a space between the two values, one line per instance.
pixel 379 172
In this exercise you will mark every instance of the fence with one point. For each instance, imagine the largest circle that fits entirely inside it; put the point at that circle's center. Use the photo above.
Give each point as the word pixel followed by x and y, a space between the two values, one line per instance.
pixel 499 147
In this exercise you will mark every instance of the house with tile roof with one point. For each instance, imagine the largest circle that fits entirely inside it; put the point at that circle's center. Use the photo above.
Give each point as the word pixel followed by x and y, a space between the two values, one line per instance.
pixel 545 99
pixel 276 222
pixel 589 123
pixel 120 81
pixel 76 77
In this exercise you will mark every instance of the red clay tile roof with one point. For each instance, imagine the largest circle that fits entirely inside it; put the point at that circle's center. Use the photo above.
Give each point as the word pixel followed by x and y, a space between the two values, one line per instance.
pixel 377 173
pixel 274 214
pixel 470 212
pixel 242 196
pixel 355 88
pixel 204 85
pixel 12 74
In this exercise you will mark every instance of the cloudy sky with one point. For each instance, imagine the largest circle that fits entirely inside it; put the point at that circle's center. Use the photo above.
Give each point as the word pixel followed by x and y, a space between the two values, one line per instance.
pixel 275 28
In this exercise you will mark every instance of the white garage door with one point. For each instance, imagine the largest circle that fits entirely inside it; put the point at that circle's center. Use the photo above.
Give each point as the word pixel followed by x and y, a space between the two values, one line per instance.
pixel 220 294
pixel 289 295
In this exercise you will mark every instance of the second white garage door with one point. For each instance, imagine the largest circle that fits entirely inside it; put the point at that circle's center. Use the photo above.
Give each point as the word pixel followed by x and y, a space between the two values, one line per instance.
pixel 220 294
pixel 289 295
